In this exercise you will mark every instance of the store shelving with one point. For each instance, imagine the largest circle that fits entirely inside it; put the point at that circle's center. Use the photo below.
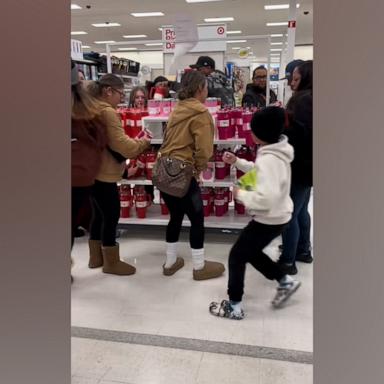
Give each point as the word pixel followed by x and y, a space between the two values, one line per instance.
pixel 227 182
pixel 229 221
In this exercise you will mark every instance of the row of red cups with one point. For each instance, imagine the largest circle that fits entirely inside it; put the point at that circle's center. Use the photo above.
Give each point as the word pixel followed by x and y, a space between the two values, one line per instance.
pixel 138 198
pixel 215 201
pixel 145 162
pixel 219 170
pixel 235 122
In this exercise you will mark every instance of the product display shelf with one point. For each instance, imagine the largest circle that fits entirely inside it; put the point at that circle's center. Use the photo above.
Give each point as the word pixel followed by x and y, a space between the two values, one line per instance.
pixel 147 120
pixel 227 182
pixel 229 221
pixel 233 141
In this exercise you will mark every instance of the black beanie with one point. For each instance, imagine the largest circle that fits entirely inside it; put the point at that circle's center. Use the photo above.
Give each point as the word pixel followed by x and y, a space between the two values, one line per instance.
pixel 268 124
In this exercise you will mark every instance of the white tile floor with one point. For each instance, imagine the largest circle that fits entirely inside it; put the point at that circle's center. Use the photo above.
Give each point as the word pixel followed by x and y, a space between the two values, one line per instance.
pixel 151 303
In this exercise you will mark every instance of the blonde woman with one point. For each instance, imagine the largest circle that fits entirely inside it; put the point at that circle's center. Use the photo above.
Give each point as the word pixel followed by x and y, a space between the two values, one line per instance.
pixel 189 137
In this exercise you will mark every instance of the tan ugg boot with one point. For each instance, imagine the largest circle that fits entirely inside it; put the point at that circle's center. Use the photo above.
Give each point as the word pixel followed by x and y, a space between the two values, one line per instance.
pixel 210 270
pixel 95 254
pixel 113 264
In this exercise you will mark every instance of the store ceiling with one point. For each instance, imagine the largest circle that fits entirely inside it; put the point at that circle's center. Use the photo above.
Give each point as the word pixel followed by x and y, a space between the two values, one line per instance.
pixel 249 16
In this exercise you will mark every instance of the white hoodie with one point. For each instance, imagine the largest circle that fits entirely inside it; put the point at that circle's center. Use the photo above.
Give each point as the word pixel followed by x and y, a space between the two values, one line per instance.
pixel 270 203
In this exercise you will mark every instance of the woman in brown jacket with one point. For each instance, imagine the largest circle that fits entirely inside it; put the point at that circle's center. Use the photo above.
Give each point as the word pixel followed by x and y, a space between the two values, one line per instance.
pixel 104 250
pixel 189 137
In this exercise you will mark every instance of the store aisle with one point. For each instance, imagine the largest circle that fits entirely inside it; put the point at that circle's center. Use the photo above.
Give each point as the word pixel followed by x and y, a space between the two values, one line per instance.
pixel 148 315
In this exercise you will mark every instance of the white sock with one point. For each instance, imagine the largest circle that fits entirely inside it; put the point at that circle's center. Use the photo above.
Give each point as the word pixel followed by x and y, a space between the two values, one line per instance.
pixel 171 255
pixel 236 306
pixel 198 258
pixel 286 280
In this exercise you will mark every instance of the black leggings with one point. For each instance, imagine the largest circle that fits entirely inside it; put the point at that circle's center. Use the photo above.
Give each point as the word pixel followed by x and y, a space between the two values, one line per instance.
pixel 105 203
pixel 191 205
pixel 79 198
pixel 249 249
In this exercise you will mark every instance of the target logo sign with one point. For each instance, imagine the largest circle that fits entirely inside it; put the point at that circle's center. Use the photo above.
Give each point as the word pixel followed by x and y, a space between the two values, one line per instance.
pixel 220 30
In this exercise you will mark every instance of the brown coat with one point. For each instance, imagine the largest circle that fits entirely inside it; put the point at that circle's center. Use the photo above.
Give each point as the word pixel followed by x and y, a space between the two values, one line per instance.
pixel 111 170
pixel 87 145
pixel 189 134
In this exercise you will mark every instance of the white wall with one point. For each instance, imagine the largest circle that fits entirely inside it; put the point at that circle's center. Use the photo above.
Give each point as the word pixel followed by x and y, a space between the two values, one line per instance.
pixel 304 52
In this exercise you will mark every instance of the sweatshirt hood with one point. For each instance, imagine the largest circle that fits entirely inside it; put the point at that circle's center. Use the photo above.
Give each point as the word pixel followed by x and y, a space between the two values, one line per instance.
pixel 282 149
pixel 185 109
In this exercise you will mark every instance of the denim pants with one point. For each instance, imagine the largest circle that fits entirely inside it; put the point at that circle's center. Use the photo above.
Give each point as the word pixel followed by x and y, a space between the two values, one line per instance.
pixel 296 236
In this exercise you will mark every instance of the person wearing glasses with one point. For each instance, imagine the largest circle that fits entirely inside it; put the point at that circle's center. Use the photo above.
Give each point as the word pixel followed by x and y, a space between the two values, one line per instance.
pixel 103 248
pixel 255 94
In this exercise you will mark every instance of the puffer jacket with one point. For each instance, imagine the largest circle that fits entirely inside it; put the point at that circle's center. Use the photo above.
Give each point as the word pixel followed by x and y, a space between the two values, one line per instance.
pixel 219 86
pixel 189 134
pixel 111 170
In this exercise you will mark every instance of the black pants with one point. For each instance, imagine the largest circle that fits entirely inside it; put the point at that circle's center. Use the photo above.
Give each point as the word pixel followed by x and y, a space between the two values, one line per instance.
pixel 105 203
pixel 191 205
pixel 79 199
pixel 249 249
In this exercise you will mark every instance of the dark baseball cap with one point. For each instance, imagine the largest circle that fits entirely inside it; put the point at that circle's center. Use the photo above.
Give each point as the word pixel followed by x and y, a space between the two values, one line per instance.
pixel 204 61
pixel 290 68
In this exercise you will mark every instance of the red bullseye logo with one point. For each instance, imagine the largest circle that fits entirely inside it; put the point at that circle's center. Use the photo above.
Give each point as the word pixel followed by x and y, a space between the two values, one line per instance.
pixel 220 30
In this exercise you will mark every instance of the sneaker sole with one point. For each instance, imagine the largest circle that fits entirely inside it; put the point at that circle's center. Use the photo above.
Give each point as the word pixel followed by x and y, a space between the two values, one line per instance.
pixel 287 296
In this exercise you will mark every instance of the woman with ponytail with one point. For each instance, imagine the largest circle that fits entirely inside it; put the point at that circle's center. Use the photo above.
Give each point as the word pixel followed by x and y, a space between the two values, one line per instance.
pixel 189 137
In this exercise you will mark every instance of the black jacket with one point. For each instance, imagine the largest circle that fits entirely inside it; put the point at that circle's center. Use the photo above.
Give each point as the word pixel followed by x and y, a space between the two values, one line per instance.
pixel 300 135
pixel 255 96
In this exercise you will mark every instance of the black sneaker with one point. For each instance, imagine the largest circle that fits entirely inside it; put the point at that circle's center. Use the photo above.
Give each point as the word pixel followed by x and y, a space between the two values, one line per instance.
pixel 304 258
pixel 289 269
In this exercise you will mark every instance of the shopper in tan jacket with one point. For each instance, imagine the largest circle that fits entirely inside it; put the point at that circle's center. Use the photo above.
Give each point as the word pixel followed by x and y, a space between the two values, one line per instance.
pixel 104 250
pixel 189 137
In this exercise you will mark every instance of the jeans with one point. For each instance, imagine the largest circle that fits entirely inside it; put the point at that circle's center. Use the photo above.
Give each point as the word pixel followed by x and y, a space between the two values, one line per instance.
pixel 296 237
pixel 105 203
pixel 192 206
pixel 249 249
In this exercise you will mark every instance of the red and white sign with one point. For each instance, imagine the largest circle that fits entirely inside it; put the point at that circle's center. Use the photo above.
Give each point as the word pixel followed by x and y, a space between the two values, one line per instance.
pixel 169 36
pixel 217 32
pixel 292 24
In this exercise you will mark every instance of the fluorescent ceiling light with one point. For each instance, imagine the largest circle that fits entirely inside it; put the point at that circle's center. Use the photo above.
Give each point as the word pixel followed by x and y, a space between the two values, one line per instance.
pixel 105 42
pixel 75 6
pixel 236 41
pixel 233 32
pixel 277 43
pixel 79 33
pixel 85 46
pixel 214 19
pixel 276 35
pixel 153 44
pixel 275 54
pixel 282 23
pixel 127 49
pixel 106 25
pixel 200 1
pixel 236 47
pixel 278 6
pixel 133 36
pixel 276 49
pixel 147 14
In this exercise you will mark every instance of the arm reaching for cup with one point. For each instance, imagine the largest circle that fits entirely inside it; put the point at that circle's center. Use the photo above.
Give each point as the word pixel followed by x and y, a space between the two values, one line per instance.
pixel 229 158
